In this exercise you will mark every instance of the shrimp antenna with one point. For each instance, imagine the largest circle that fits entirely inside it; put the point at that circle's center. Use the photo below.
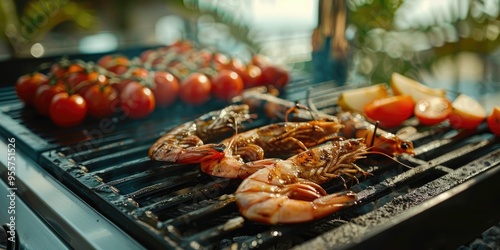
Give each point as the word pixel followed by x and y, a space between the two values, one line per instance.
pixel 290 110
pixel 388 156
pixel 311 113
pixel 230 144
pixel 312 107
pixel 298 106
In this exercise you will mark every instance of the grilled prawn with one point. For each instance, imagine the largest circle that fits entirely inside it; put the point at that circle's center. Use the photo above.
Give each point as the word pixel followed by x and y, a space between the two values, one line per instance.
pixel 186 143
pixel 272 141
pixel 289 191
pixel 355 125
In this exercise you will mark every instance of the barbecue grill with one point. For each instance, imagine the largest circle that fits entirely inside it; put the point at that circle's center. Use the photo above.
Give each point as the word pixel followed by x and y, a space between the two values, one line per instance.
pixel 93 186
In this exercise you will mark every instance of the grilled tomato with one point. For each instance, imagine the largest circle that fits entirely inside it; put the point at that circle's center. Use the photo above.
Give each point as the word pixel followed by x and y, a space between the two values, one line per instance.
pixel 433 110
pixel 390 111
pixel 493 121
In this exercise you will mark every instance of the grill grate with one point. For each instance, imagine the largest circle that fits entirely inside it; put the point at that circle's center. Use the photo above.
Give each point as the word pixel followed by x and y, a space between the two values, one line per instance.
pixel 166 205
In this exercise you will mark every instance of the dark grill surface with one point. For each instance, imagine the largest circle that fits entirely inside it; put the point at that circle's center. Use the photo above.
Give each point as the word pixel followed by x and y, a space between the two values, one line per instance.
pixel 166 205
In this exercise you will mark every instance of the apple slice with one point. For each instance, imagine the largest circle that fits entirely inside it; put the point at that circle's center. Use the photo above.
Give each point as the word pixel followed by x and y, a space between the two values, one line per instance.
pixel 467 113
pixel 357 99
pixel 402 85
pixel 493 121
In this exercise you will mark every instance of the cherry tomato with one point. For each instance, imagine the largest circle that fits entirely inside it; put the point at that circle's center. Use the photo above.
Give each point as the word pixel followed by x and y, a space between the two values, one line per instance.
pixel 275 75
pixel 94 78
pixel 68 73
pixel 165 88
pixel 80 81
pixel 137 101
pixel 44 95
pixel 57 70
pixel 140 73
pixel 102 100
pixel 136 74
pixel 236 65
pixel 67 110
pixel 147 55
pixel 493 121
pixel 195 89
pixel 27 85
pixel 220 60
pixel 64 68
pixel 181 46
pixel 117 64
pixel 252 76
pixel 74 80
pixel 433 110
pixel 226 85
pixel 390 111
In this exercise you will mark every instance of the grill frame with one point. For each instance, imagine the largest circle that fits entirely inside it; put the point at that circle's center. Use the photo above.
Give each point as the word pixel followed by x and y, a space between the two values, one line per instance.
pixel 75 175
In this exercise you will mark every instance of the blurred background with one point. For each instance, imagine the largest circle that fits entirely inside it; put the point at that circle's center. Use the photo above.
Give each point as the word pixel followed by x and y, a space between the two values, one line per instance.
pixel 447 43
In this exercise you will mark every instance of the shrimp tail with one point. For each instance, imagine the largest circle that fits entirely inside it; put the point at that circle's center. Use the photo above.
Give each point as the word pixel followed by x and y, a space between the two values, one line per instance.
pixel 333 202
pixel 191 154
pixel 284 210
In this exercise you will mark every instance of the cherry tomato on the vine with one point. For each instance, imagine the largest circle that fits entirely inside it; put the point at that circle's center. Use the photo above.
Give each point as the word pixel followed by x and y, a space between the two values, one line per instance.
pixel 102 100
pixel 79 82
pixel 195 89
pixel 165 88
pixel 147 55
pixel 226 85
pixel 136 74
pixel 140 73
pixel 275 75
pixel 67 110
pixel 220 60
pixel 63 68
pixel 252 77
pixel 44 95
pixel 137 100
pixel 181 45
pixel 116 63
pixel 236 65
pixel 27 85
